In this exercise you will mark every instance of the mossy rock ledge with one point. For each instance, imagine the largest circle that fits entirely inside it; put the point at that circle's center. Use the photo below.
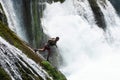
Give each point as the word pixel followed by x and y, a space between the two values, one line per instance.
pixel 14 40
pixel 53 72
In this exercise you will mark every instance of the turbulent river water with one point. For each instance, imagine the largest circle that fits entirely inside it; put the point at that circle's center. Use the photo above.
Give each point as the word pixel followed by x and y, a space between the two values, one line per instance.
pixel 88 52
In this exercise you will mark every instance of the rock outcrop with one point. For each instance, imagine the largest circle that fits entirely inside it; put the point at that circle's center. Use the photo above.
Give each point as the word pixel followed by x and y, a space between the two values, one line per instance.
pixel 18 60
pixel 98 13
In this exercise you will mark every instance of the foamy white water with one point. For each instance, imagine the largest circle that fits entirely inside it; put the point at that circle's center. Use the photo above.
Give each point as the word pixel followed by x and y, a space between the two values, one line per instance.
pixel 112 22
pixel 86 53
pixel 11 57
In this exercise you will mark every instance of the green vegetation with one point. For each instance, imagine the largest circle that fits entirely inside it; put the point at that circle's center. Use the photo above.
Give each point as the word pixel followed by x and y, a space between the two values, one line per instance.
pixel 11 37
pixel 54 73
pixel 37 31
pixel 14 40
pixel 4 75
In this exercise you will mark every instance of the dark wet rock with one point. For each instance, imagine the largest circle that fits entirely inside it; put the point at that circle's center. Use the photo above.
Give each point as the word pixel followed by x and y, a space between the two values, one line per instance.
pixel 3 16
pixel 98 13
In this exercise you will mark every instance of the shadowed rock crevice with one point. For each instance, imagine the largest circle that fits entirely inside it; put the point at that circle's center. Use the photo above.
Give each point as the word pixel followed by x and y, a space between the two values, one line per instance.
pixel 2 15
pixel 98 14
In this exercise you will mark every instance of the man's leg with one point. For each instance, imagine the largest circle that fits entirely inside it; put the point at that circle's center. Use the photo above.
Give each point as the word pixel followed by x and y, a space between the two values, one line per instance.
pixel 43 49
pixel 48 55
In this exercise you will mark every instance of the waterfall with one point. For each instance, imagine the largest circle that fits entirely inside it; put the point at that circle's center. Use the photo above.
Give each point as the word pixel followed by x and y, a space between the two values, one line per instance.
pixel 85 49
pixel 13 13
pixel 112 20
pixel 16 63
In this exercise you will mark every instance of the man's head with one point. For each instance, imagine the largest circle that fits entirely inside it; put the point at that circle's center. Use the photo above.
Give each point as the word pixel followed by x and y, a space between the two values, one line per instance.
pixel 57 38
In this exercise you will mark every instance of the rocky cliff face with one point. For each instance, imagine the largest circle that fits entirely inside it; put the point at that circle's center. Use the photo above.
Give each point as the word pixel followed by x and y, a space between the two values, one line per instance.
pixel 19 62
pixel 116 4
pixel 30 13
pixel 98 13
pixel 33 11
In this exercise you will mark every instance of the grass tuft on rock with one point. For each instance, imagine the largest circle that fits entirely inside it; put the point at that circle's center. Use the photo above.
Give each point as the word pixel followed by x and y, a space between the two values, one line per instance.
pixel 4 75
pixel 53 72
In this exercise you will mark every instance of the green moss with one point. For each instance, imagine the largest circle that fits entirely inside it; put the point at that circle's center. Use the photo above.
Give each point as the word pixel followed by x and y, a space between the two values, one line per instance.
pixel 11 37
pixel 37 30
pixel 4 75
pixel 54 73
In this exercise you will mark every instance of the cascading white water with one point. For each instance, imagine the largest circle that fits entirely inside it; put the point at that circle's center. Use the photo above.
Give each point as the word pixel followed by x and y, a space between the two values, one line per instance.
pixel 9 18
pixel 86 53
pixel 14 22
pixel 11 57
pixel 112 21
